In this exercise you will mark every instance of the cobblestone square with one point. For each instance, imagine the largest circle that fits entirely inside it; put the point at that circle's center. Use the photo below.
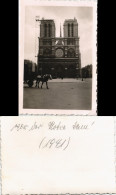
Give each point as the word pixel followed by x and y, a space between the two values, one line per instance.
pixel 68 94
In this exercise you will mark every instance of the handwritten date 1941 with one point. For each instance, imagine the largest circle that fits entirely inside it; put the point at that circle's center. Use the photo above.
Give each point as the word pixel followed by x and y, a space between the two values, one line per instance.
pixel 54 143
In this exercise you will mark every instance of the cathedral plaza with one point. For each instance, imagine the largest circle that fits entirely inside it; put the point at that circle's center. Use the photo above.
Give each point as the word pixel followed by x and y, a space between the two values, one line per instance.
pixel 68 94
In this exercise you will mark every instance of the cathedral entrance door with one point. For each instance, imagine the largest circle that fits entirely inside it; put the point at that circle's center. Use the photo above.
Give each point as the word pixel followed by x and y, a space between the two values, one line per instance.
pixel 60 71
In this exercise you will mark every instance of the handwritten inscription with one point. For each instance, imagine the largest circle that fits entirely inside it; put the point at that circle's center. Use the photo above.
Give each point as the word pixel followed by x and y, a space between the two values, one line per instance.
pixel 77 126
pixel 21 126
pixel 53 126
pixel 54 143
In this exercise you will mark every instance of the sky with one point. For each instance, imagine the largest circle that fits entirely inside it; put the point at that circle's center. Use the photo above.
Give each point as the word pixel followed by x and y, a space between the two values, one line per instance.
pixel 84 16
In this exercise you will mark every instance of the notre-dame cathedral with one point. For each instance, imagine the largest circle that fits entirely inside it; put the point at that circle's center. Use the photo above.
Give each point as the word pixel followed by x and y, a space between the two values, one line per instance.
pixel 59 56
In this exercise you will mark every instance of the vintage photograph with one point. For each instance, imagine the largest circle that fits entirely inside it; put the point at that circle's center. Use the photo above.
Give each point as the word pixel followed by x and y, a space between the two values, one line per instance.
pixel 58 65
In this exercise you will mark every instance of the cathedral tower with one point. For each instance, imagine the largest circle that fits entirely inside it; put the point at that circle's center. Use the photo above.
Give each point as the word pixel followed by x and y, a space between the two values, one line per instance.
pixel 71 28
pixel 71 38
pixel 59 56
pixel 47 35
pixel 47 29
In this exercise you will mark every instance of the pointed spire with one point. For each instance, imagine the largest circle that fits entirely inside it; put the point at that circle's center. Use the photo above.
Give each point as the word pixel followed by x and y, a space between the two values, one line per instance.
pixel 60 31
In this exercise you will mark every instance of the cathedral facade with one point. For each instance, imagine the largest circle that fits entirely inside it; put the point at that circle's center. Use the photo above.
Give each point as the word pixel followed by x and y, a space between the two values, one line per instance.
pixel 59 56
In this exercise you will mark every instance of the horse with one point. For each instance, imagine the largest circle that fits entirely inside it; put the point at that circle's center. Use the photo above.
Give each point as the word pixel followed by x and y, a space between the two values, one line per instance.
pixel 43 79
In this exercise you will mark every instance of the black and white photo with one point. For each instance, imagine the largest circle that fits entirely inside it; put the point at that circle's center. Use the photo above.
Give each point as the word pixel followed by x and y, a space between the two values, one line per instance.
pixel 59 59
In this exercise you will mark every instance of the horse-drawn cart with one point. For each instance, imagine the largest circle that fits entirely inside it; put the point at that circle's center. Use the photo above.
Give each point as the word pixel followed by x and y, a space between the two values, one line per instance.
pixel 38 79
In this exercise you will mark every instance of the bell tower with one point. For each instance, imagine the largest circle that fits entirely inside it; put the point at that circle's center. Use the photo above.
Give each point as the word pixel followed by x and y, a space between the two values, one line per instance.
pixel 71 28
pixel 71 38
pixel 47 29
pixel 46 40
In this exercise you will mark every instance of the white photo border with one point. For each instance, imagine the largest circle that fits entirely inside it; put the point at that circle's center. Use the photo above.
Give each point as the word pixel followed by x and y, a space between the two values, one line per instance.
pixel 82 3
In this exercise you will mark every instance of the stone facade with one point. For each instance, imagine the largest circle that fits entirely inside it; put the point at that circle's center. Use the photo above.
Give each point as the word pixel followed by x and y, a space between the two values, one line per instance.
pixel 59 56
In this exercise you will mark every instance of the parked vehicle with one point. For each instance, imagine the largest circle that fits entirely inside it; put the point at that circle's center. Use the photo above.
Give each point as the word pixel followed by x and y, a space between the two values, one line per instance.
pixel 30 72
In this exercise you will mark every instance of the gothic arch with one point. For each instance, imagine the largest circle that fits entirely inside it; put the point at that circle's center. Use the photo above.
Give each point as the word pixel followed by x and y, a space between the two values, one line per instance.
pixel 45 30
pixel 68 30
pixel 71 53
pixel 49 30
pixel 72 29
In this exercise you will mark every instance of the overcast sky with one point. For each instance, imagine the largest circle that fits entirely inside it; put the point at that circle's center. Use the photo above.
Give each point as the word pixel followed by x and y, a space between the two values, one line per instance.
pixel 84 16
